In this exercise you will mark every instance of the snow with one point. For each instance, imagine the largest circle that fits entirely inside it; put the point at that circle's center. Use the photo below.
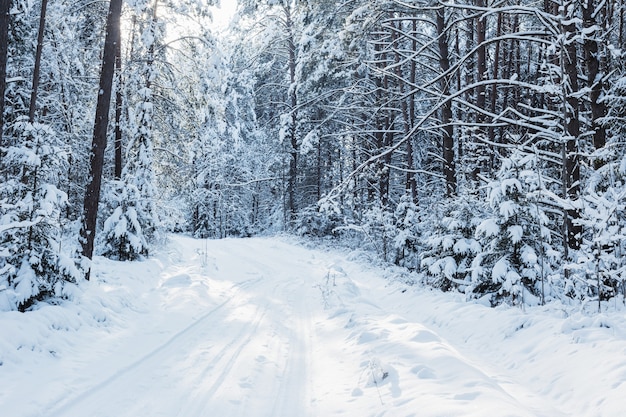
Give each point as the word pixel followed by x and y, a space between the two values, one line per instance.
pixel 500 269
pixel 489 227
pixel 267 327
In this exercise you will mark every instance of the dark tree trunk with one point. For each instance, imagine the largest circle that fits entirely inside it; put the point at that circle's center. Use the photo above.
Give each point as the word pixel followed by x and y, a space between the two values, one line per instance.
pixel 319 170
pixel 33 101
pixel 481 61
pixel 118 109
pixel 37 68
pixel 410 178
pixel 5 6
pixel 385 177
pixel 496 73
pixel 449 168
pixel 404 107
pixel 383 125
pixel 481 153
pixel 92 192
pixel 571 178
pixel 293 104
pixel 594 78
pixel 620 40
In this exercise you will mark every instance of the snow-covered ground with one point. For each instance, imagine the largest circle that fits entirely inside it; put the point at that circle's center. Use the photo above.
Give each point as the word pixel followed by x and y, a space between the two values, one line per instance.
pixel 264 327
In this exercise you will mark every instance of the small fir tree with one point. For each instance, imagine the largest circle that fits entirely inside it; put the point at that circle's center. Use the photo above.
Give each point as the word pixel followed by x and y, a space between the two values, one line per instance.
pixel 450 249
pixel 516 256
pixel 406 242
pixel 123 236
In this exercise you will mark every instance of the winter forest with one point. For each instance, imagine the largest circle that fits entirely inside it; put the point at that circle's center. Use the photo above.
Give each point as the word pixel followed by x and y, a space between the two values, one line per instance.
pixel 480 144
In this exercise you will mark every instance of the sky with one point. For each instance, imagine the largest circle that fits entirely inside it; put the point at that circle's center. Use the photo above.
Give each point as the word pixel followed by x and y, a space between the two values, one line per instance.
pixel 224 13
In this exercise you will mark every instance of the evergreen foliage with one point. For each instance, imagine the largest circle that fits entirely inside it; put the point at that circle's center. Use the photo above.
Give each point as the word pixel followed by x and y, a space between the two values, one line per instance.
pixel 123 236
pixel 33 265
pixel 450 245
pixel 516 256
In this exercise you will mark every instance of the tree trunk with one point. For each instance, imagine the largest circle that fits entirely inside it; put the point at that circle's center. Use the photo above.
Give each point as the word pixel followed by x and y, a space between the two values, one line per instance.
pixel 92 192
pixel 37 68
pixel 410 178
pixel 383 122
pixel 481 61
pixel 594 76
pixel 620 31
pixel 5 6
pixel 496 73
pixel 33 103
pixel 572 130
pixel 118 109
pixel 481 153
pixel 293 104
pixel 404 106
pixel 449 168
pixel 319 170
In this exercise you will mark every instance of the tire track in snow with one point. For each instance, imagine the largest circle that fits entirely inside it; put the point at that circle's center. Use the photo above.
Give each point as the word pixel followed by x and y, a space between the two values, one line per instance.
pixel 236 346
pixel 65 406
pixel 295 387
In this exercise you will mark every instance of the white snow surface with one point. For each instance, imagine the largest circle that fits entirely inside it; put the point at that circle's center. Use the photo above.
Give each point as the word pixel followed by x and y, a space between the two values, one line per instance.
pixel 267 327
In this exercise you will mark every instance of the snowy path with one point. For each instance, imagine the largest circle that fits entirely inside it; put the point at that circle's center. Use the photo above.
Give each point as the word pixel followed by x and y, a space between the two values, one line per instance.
pixel 261 327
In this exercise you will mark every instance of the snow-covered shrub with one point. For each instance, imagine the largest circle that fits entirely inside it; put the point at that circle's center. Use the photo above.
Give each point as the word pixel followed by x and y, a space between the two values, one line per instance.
pixel 380 231
pixel 516 256
pixel 122 234
pixel 601 268
pixel 317 222
pixel 451 247
pixel 32 264
pixel 406 241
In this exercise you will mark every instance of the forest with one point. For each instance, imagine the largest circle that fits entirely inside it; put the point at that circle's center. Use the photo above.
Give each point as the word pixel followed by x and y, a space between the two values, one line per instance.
pixel 479 144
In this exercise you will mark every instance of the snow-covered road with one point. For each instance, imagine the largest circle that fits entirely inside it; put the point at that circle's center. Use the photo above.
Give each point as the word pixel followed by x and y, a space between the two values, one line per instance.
pixel 263 327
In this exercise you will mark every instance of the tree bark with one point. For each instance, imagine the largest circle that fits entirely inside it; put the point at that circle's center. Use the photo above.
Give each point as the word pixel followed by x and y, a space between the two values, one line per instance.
pixel 571 178
pixel 410 188
pixel 411 183
pixel 118 108
pixel 37 68
pixel 5 6
pixel 496 73
pixel 449 168
pixel 293 103
pixel 92 192
pixel 594 77
pixel 481 61
pixel 481 153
